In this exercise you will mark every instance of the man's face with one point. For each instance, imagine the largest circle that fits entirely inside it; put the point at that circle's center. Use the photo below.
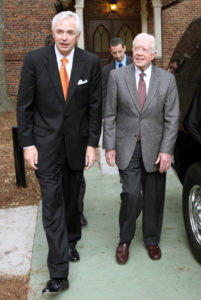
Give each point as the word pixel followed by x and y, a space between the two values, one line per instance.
pixel 65 35
pixel 173 67
pixel 142 53
pixel 118 52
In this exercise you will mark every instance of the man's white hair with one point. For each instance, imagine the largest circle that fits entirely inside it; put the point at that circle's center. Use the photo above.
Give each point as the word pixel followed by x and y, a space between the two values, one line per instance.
pixel 66 15
pixel 146 35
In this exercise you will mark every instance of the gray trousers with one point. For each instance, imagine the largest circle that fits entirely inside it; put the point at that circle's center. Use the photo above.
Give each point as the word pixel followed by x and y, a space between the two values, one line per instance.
pixel 141 191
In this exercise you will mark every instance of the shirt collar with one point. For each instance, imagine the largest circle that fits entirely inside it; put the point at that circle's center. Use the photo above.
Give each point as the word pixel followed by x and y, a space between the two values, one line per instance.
pixel 123 62
pixel 59 56
pixel 147 72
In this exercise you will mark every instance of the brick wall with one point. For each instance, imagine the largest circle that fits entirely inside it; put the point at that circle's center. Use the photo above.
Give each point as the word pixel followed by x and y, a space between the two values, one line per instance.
pixel 27 24
pixel 175 20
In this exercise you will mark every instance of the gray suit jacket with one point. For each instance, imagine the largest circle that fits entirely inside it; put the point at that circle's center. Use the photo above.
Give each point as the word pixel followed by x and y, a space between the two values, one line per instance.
pixel 157 124
pixel 105 77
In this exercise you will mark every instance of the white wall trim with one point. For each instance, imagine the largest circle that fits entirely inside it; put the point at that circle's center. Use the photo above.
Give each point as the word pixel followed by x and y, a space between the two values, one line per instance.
pixel 157 26
pixel 79 6
pixel 144 15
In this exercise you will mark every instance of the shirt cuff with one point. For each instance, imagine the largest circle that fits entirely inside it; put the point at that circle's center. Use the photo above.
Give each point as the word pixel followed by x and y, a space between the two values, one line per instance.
pixel 28 147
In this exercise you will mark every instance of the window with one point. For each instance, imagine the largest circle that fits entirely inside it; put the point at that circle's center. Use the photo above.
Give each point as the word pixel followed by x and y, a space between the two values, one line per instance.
pixel 101 40
pixel 126 35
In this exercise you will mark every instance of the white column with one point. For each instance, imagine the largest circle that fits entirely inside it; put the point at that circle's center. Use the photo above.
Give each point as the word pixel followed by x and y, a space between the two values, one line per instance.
pixel 79 5
pixel 157 26
pixel 144 15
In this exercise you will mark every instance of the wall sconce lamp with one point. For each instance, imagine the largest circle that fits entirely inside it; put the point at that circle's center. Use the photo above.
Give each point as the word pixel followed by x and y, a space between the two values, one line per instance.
pixel 113 5
pixel 62 5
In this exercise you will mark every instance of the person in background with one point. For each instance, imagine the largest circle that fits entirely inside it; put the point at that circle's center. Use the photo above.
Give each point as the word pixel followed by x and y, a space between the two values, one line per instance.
pixel 118 51
pixel 59 123
pixel 49 40
pixel 173 66
pixel 140 130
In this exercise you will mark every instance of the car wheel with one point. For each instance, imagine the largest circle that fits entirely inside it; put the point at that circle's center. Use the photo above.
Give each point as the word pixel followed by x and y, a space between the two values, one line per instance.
pixel 192 208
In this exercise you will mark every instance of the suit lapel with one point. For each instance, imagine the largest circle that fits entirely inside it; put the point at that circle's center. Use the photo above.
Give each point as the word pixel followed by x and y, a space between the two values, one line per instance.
pixel 78 64
pixel 131 84
pixel 52 68
pixel 129 60
pixel 153 85
pixel 112 65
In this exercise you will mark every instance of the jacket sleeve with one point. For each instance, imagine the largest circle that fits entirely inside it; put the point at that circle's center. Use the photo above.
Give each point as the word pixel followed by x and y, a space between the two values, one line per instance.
pixel 25 101
pixel 109 127
pixel 105 77
pixel 95 104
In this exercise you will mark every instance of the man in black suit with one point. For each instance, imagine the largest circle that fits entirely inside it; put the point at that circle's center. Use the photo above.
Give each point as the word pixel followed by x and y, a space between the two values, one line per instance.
pixel 59 131
pixel 118 51
pixel 49 40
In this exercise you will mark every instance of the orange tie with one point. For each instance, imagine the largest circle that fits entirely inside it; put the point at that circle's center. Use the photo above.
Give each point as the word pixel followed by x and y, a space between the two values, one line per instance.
pixel 64 77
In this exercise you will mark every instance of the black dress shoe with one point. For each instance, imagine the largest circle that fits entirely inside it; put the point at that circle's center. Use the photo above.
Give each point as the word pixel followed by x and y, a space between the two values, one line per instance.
pixel 83 220
pixel 55 286
pixel 73 255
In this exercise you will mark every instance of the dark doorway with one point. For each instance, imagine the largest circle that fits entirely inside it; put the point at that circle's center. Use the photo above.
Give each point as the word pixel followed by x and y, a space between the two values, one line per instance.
pixel 98 33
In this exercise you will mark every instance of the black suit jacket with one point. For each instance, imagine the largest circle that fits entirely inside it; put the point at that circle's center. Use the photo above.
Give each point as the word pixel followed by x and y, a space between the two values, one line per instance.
pixel 105 78
pixel 46 120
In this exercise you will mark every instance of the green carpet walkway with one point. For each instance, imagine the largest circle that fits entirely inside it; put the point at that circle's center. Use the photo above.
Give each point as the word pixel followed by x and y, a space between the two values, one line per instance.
pixel 98 277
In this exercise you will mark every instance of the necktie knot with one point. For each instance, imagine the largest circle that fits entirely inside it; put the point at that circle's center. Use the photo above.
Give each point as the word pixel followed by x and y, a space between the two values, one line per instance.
pixel 64 61
pixel 142 75
pixel 120 65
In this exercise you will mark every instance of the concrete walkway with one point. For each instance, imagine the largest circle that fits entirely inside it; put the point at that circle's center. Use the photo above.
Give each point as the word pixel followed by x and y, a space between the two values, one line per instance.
pixel 17 229
pixel 97 276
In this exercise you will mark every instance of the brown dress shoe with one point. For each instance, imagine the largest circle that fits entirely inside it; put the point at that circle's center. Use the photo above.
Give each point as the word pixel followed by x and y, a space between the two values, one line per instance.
pixel 122 253
pixel 154 252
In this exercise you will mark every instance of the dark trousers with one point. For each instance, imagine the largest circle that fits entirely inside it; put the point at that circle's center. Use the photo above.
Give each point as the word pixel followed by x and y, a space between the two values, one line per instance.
pixel 60 213
pixel 71 191
pixel 81 194
pixel 141 191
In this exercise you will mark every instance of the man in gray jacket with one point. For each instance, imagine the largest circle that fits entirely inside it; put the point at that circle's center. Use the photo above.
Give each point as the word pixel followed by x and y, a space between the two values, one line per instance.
pixel 140 130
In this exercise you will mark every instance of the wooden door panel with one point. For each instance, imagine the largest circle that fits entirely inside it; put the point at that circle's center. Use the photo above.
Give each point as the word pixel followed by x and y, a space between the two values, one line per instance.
pixel 113 28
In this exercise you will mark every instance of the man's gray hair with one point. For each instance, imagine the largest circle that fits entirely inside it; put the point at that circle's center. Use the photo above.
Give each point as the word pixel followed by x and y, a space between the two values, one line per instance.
pixel 66 15
pixel 146 35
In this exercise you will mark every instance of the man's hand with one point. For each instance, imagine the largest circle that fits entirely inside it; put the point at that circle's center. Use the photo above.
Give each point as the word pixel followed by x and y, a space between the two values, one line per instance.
pixel 90 157
pixel 165 162
pixel 31 157
pixel 110 156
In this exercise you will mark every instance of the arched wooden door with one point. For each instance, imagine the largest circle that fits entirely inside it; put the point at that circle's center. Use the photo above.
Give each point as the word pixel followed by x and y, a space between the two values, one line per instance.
pixel 98 33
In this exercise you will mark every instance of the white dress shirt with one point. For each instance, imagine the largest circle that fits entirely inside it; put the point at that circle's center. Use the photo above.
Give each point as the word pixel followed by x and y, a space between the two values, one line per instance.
pixel 69 64
pixel 146 78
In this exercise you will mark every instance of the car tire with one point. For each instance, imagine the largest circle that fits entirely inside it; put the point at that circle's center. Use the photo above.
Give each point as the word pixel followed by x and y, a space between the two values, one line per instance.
pixel 191 201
